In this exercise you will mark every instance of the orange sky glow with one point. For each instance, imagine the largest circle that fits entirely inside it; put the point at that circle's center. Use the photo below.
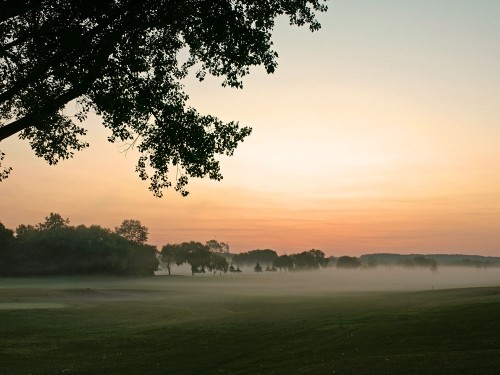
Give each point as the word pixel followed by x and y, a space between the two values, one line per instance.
pixel 379 133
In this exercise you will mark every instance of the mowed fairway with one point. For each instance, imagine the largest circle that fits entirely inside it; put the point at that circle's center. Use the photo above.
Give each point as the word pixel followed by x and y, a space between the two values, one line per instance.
pixel 244 324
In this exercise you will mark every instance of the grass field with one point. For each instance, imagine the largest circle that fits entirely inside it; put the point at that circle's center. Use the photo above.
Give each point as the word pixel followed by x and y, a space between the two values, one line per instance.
pixel 245 324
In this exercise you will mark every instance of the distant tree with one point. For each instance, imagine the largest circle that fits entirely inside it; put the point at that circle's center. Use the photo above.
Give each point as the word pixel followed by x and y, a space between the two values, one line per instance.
pixel 311 259
pixel 348 262
pixel 467 262
pixel 53 222
pixel 271 268
pixel 216 246
pixel 224 247
pixel 478 263
pixel 407 262
pixel 332 261
pixel 231 268
pixel 197 255
pixel 257 268
pixel 218 263
pixel 143 260
pixel 133 231
pixel 319 257
pixel 23 230
pixel 421 261
pixel 283 262
pixel 371 262
pixel 117 255
pixel 172 254
pixel 126 62
pixel 254 256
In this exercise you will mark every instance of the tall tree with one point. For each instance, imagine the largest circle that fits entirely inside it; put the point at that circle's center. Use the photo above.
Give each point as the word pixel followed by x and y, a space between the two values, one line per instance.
pixel 219 263
pixel 53 222
pixel 257 268
pixel 216 246
pixel 283 262
pixel 197 255
pixel 123 59
pixel 133 231
pixel 172 254
pixel 348 262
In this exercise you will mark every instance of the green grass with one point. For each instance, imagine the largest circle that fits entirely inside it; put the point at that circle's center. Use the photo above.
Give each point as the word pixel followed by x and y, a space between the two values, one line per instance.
pixel 240 325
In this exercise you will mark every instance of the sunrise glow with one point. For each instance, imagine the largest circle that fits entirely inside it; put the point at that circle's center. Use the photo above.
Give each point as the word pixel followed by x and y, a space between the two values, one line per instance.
pixel 379 133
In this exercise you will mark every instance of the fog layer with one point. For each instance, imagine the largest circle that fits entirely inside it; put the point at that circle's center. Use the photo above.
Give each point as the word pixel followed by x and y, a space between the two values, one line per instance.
pixel 339 280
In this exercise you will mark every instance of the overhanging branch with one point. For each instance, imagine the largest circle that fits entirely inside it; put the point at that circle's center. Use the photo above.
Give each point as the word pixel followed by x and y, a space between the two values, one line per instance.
pixel 28 120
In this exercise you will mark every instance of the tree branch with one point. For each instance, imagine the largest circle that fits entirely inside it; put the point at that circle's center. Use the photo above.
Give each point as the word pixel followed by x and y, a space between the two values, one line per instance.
pixel 99 55
pixel 27 121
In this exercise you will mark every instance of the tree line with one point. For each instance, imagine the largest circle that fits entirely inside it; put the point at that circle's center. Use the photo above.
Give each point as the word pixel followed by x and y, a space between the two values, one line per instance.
pixel 201 258
pixel 210 257
pixel 53 247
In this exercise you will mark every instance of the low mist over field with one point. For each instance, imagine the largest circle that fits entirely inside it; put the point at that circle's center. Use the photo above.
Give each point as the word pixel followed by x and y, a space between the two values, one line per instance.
pixel 328 281
pixel 339 280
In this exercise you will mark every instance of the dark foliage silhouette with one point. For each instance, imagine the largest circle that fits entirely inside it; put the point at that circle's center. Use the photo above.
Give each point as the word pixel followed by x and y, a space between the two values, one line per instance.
pixel 56 248
pixel 348 262
pixel 266 256
pixel 125 61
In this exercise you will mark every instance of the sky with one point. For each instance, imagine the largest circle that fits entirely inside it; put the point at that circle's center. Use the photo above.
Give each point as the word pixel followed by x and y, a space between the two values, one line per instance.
pixel 378 133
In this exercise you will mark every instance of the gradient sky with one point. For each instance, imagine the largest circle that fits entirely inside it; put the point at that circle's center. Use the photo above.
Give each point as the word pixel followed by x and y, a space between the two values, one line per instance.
pixel 379 133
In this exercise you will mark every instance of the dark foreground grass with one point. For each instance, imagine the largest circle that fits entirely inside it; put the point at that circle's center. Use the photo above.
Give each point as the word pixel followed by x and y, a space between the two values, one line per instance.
pixel 183 325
